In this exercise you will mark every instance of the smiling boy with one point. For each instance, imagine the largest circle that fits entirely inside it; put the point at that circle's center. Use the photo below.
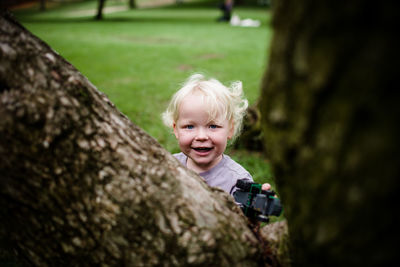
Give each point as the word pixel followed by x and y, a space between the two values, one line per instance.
pixel 205 115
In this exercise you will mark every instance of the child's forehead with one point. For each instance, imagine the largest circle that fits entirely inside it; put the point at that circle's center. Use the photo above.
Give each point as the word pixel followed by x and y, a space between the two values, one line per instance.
pixel 208 102
pixel 200 96
pixel 199 102
pixel 192 101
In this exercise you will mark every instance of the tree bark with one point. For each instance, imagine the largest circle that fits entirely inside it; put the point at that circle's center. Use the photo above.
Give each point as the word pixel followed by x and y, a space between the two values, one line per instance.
pixel 132 4
pixel 42 5
pixel 99 15
pixel 331 118
pixel 80 185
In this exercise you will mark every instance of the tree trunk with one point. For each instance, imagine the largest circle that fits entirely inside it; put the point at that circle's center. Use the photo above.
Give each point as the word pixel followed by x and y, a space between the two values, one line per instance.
pixel 100 7
pixel 80 185
pixel 330 112
pixel 132 4
pixel 42 5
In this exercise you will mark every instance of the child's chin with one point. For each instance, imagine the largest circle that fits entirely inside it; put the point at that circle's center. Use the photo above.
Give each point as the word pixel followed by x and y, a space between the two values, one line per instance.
pixel 201 162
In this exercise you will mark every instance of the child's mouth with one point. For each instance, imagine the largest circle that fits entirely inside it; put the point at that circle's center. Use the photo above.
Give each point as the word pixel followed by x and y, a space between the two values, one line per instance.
pixel 202 149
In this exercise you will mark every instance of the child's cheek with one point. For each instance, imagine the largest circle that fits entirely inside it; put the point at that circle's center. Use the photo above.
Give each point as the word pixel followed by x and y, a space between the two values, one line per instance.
pixel 184 139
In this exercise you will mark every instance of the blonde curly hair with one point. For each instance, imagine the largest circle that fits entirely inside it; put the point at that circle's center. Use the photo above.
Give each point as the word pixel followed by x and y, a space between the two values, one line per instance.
pixel 220 100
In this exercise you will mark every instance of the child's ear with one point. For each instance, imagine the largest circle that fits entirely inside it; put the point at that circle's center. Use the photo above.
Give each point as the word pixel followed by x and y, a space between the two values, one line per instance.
pixel 175 130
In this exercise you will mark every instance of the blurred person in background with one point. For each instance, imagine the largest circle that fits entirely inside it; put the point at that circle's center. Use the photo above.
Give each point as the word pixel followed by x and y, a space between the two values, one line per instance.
pixel 226 8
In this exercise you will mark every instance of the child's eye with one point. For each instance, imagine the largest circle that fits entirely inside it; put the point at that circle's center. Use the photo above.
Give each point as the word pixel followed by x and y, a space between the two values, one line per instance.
pixel 213 126
pixel 189 127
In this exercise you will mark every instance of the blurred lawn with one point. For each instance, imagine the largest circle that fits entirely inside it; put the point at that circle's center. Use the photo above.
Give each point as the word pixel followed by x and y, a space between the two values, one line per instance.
pixel 140 57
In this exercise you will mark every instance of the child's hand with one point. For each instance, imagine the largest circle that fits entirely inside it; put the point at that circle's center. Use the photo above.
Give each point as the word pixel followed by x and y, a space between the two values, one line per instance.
pixel 266 187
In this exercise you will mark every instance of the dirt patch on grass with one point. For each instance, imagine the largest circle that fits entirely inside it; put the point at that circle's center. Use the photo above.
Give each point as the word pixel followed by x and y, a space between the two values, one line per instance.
pixel 211 56
pixel 149 39
pixel 185 67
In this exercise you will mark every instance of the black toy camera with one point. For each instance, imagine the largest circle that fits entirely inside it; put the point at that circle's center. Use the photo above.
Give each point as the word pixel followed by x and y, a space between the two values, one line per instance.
pixel 255 202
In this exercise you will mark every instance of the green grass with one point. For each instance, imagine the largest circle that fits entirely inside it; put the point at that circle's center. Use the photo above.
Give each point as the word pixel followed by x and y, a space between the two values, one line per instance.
pixel 140 57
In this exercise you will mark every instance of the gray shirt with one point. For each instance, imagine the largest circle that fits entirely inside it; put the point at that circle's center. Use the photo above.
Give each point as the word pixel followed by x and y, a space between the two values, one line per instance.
pixel 224 175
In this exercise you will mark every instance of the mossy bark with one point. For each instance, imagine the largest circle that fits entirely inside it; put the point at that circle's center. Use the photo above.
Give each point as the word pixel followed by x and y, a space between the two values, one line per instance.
pixel 81 185
pixel 330 118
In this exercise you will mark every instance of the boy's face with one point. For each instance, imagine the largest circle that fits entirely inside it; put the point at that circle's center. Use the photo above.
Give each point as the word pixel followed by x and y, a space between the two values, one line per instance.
pixel 202 141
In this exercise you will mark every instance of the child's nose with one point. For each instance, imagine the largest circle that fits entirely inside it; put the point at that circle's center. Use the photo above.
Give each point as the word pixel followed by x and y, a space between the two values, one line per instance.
pixel 201 134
